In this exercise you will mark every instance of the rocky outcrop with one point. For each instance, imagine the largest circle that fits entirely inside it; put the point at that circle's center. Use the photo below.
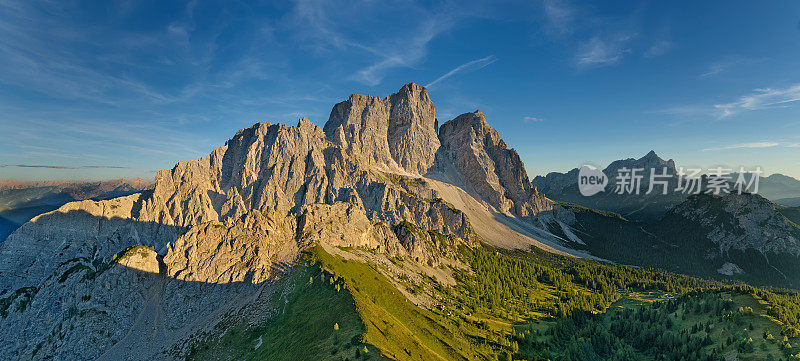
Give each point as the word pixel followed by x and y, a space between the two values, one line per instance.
pixel 739 221
pixel 345 225
pixel 484 161
pixel 140 258
pixel 243 250
pixel 90 230
pixel 397 133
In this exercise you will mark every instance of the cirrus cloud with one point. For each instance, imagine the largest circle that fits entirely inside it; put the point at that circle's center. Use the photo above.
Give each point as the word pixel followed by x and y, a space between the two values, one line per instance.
pixel 599 52
pixel 749 145
pixel 759 99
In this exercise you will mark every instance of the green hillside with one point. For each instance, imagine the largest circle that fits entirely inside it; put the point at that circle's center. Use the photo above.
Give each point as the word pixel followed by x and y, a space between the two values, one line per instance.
pixel 506 305
pixel 697 326
pixel 317 320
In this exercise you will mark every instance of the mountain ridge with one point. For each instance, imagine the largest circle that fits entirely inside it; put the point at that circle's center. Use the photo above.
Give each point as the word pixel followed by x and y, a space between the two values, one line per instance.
pixel 22 200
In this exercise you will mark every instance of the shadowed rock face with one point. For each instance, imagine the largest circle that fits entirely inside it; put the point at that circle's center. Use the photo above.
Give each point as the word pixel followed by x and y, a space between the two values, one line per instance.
pixel 643 206
pixel 20 201
pixel 486 163
pixel 739 221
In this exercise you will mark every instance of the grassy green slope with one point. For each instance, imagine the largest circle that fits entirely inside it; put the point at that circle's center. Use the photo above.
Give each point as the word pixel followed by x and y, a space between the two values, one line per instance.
pixel 401 330
pixel 317 320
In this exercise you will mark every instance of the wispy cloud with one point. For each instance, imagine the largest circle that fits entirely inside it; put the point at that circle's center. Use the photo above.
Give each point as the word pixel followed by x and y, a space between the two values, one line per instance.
pixel 714 69
pixel 560 17
pixel 744 146
pixel 52 166
pixel 758 99
pixel 466 67
pixel 599 52
pixel 41 47
pixel 532 119
pixel 661 42
pixel 406 53
pixel 728 63
pixel 383 48
pixel 660 47
pixel 597 40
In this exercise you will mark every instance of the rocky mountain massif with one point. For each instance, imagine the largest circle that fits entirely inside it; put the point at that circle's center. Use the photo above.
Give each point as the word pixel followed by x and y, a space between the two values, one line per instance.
pixel 103 278
pixel 20 201
pixel 781 189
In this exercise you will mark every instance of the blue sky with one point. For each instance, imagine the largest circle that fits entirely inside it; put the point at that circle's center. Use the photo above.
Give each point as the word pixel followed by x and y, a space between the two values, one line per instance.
pixel 109 89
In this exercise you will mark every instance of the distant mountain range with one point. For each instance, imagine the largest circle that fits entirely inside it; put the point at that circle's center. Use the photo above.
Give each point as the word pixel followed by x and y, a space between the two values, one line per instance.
pixel 21 200
pixel 781 189
pixel 563 187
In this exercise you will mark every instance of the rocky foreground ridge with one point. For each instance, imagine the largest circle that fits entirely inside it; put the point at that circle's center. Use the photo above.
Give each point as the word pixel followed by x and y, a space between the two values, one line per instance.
pixel 22 200
pixel 100 278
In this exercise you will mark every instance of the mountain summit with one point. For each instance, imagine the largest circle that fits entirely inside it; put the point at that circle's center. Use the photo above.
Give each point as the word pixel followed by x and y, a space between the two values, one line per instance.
pixel 397 133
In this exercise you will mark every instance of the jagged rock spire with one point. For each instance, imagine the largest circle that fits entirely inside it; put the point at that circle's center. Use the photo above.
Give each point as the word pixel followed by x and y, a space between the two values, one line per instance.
pixel 397 132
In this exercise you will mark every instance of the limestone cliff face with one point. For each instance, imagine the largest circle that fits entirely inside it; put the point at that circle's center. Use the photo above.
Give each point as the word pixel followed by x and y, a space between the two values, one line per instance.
pixel 279 171
pixel 497 174
pixel 244 250
pixel 275 170
pixel 265 167
pixel 397 132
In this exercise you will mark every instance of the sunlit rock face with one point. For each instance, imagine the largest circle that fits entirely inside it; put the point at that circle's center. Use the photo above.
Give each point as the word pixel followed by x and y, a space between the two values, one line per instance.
pixel 478 153
pixel 396 133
